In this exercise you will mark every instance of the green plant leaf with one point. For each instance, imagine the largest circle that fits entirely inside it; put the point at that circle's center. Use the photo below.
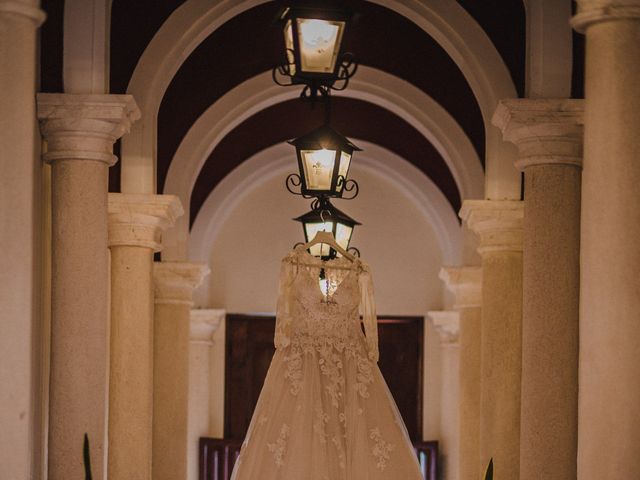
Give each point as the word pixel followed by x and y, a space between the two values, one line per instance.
pixel 87 458
pixel 488 474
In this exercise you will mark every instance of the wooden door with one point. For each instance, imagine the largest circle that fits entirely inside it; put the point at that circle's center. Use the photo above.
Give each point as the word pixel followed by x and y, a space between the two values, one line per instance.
pixel 249 349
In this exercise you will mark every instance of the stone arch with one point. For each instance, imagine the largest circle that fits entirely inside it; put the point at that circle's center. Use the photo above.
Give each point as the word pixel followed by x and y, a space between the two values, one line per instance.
pixel 447 22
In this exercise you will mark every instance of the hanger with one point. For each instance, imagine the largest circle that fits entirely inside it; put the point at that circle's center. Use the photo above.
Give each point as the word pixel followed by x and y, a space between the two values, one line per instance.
pixel 327 237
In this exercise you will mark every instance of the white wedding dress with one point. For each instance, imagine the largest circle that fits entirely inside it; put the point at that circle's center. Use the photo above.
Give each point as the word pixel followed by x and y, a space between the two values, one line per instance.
pixel 325 412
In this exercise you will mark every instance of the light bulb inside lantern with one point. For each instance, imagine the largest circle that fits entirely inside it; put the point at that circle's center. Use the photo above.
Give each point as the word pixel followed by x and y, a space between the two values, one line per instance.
pixel 319 41
pixel 319 168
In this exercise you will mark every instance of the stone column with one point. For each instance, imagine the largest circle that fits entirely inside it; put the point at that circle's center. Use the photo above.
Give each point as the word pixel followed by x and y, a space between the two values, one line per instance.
pixel 20 172
pixel 499 227
pixel 80 131
pixel 465 284
pixel 204 323
pixel 447 324
pixel 548 134
pixel 136 223
pixel 174 285
pixel 609 396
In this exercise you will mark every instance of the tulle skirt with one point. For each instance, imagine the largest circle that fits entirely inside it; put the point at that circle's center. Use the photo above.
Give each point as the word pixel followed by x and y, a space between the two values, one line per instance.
pixel 325 416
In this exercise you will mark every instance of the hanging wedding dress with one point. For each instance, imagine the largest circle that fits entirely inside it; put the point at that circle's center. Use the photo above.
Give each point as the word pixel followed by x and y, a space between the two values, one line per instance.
pixel 325 412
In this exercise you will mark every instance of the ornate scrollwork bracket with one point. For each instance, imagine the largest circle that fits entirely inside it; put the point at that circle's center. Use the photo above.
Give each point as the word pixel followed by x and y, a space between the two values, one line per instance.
pixel 293 184
pixel 315 89
pixel 350 186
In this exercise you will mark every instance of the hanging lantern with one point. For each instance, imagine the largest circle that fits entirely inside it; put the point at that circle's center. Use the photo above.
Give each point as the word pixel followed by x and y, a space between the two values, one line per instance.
pixel 313 34
pixel 313 37
pixel 326 217
pixel 324 158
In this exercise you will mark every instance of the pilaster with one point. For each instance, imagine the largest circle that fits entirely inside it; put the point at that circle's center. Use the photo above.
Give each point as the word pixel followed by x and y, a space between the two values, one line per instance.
pixel 499 226
pixel 174 285
pixel 22 369
pixel 548 134
pixel 447 324
pixel 175 281
pixel 204 324
pixel 466 285
pixel 138 220
pixel 84 127
pixel 593 12
pixel 80 131
pixel 23 11
pixel 546 131
pixel 136 223
pixel 608 424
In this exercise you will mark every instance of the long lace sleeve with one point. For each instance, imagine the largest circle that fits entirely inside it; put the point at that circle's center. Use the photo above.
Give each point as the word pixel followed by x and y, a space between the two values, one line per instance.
pixel 283 308
pixel 368 311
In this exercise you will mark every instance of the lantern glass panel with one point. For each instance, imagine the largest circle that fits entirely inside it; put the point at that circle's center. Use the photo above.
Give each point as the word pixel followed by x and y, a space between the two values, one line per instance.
pixel 345 160
pixel 319 42
pixel 288 42
pixel 343 235
pixel 318 168
pixel 319 249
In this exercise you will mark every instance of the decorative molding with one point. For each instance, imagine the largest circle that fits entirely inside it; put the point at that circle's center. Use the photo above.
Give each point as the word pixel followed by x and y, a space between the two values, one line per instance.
pixel 466 285
pixel 176 281
pixel 204 323
pixel 447 324
pixel 138 220
pixel 498 224
pixel 591 12
pixel 84 127
pixel 30 12
pixel 545 131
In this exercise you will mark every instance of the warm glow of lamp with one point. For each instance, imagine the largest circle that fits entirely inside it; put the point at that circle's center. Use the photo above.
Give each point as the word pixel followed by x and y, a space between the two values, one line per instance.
pixel 318 168
pixel 319 42
pixel 313 37
pixel 324 158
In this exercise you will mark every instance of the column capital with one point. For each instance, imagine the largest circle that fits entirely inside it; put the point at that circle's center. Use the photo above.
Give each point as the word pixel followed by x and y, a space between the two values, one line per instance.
pixel 498 224
pixel 591 12
pixel 466 285
pixel 204 323
pixel 546 131
pixel 84 127
pixel 29 11
pixel 447 324
pixel 176 281
pixel 138 220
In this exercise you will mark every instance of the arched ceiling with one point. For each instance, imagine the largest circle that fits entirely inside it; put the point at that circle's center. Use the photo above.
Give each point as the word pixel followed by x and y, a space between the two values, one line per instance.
pixel 251 43
pixel 350 117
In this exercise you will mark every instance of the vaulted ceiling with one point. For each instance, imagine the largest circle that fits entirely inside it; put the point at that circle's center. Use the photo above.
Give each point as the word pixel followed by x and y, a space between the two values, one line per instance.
pixel 251 43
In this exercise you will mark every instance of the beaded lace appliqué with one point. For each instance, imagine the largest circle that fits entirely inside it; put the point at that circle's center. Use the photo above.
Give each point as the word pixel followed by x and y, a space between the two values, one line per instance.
pixel 381 450
pixel 278 448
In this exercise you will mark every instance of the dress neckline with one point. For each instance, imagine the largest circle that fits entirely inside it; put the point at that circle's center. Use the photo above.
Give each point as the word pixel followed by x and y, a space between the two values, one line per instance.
pixel 326 264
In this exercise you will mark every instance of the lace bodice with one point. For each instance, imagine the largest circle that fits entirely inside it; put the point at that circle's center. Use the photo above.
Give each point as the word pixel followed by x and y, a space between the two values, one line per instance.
pixel 308 314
